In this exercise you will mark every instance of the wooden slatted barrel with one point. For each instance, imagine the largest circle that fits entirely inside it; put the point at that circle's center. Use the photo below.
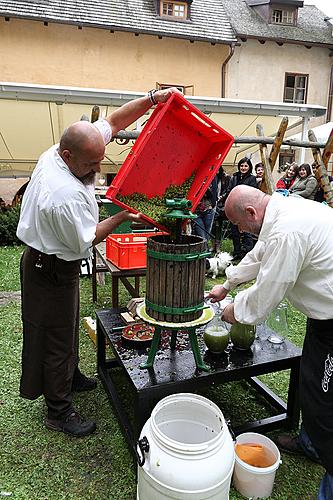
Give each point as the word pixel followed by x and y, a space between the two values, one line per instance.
pixel 175 278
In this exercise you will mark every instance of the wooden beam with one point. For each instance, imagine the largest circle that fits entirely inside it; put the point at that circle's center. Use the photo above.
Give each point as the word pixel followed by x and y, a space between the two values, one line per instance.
pixel 95 114
pixel 328 150
pixel 267 184
pixel 321 172
pixel 134 134
pixel 277 142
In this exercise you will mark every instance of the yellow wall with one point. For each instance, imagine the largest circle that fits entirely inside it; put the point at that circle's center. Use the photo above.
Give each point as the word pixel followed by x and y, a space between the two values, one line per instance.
pixel 64 55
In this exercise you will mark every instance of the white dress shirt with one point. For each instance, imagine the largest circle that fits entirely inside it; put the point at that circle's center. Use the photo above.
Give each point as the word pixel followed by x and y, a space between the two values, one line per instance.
pixel 293 258
pixel 59 213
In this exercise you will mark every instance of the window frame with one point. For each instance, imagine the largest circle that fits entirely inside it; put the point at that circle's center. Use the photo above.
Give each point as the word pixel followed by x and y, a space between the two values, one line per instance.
pixel 284 14
pixel 296 87
pixel 286 155
pixel 174 3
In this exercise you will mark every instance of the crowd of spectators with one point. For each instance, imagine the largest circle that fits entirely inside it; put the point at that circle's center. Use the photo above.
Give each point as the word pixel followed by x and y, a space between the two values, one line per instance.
pixel 212 224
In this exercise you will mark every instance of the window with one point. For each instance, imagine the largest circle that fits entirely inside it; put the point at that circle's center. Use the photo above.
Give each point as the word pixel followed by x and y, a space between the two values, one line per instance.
pixel 174 9
pixel 285 156
pixel 295 88
pixel 185 89
pixel 283 17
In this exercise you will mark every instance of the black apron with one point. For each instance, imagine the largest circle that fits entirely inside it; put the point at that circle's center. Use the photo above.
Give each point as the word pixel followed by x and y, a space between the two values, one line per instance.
pixel 50 315
pixel 316 394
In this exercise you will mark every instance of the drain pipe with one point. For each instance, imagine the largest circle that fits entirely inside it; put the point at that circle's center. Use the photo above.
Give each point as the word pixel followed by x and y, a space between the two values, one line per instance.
pixel 224 68
pixel 330 97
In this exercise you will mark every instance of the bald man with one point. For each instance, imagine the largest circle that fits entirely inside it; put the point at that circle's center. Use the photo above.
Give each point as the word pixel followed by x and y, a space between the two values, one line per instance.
pixel 59 224
pixel 293 258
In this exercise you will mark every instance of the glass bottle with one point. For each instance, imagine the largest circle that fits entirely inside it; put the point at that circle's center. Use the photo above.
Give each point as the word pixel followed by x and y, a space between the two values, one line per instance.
pixel 277 324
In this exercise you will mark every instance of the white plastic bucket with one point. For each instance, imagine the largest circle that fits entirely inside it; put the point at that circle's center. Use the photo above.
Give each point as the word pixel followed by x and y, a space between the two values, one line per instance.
pixel 191 453
pixel 255 482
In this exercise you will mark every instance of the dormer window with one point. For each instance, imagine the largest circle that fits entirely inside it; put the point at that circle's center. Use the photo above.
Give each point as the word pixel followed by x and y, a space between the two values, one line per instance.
pixel 173 9
pixel 283 17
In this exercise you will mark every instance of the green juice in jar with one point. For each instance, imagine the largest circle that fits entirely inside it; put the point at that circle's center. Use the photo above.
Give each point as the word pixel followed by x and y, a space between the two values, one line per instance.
pixel 216 338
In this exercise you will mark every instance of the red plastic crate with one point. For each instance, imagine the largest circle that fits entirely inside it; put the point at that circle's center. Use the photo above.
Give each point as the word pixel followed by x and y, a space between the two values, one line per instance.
pixel 177 141
pixel 128 251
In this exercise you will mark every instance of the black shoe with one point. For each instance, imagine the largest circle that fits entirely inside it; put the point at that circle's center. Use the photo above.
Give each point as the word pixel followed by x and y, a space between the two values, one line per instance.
pixel 289 444
pixel 292 445
pixel 73 424
pixel 82 383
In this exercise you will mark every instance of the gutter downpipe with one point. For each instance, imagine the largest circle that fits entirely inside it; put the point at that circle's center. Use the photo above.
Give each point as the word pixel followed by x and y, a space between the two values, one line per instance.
pixel 224 67
pixel 330 97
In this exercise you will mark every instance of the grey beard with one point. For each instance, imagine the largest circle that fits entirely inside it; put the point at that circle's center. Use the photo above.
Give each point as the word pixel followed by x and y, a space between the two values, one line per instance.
pixel 89 179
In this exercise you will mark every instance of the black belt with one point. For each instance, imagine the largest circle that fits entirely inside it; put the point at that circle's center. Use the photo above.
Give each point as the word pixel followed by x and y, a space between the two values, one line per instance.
pixel 47 261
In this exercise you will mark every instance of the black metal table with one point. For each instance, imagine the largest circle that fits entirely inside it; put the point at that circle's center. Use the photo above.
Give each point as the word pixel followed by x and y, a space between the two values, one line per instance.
pixel 175 371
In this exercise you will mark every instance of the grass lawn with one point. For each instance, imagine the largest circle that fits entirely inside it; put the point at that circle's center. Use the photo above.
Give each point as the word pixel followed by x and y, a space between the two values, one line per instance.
pixel 36 463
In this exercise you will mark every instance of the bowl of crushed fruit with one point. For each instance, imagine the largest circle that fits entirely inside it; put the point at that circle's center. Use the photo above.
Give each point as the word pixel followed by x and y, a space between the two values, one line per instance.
pixel 138 335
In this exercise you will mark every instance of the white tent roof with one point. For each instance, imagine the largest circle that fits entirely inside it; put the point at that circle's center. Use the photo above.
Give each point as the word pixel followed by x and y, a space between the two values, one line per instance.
pixel 321 132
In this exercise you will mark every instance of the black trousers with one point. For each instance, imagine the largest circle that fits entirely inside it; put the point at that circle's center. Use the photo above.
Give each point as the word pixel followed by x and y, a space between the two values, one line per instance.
pixel 316 390
pixel 50 315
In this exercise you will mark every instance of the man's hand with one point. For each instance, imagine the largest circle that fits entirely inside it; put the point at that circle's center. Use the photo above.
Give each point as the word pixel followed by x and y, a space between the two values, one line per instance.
pixel 107 226
pixel 217 293
pixel 163 95
pixel 228 314
pixel 129 216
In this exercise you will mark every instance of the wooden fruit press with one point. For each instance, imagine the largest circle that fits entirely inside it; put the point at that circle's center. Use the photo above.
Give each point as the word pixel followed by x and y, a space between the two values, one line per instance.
pixel 175 284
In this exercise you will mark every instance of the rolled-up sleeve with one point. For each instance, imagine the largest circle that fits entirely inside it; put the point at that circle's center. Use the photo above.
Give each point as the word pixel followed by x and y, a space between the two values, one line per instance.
pixel 247 269
pixel 280 266
pixel 105 129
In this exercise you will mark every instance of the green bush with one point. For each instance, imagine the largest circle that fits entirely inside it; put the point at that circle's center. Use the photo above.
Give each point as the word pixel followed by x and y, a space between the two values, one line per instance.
pixel 8 224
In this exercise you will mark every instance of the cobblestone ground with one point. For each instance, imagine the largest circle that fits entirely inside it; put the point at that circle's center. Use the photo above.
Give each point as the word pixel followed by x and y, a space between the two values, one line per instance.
pixel 6 297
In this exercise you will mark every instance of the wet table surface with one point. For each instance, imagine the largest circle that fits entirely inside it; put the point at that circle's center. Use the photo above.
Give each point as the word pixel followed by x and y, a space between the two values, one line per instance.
pixel 179 365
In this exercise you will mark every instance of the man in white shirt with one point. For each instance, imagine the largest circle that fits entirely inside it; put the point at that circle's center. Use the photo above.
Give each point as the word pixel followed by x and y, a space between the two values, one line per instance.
pixel 293 258
pixel 59 224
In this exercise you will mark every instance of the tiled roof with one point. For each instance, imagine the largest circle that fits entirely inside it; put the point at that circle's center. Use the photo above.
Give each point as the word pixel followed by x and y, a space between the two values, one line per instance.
pixel 311 26
pixel 208 18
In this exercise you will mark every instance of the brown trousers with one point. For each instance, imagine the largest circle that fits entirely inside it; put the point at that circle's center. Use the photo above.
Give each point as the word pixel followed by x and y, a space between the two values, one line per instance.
pixel 50 315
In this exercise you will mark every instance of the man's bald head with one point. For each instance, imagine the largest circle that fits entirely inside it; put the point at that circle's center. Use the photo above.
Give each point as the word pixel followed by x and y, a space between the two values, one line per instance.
pixel 245 207
pixel 78 136
pixel 82 148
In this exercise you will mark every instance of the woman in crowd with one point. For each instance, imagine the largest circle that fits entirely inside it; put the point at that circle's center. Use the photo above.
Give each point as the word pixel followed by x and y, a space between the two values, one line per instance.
pixel 306 184
pixel 288 179
pixel 259 169
pixel 242 242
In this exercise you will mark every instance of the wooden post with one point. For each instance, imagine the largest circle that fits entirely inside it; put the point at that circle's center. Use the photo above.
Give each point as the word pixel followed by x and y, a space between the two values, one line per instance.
pixel 268 183
pixel 95 114
pixel 321 172
pixel 277 142
pixel 328 150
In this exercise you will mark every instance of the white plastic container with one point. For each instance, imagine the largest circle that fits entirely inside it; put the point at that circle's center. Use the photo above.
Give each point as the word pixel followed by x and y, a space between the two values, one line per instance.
pixel 191 453
pixel 255 482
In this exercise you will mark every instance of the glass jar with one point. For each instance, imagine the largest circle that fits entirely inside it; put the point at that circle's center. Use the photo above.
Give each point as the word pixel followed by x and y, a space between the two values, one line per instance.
pixel 242 336
pixel 216 335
